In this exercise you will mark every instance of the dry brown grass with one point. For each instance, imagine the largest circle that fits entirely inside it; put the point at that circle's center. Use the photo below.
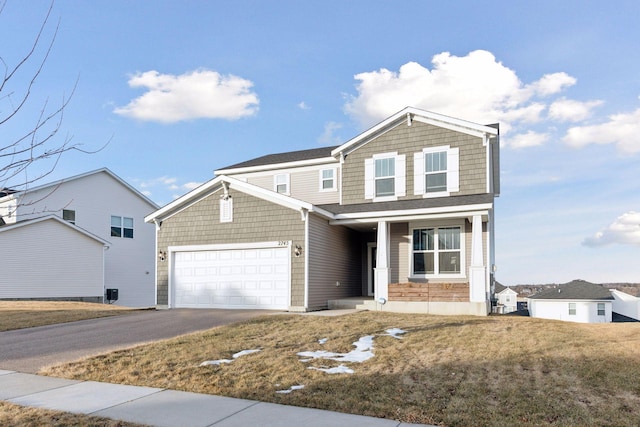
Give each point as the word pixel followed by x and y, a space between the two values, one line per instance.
pixel 27 314
pixel 19 416
pixel 455 371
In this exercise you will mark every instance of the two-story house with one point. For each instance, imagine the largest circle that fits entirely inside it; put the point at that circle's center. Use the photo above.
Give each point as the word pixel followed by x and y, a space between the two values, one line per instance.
pixel 402 214
pixel 75 238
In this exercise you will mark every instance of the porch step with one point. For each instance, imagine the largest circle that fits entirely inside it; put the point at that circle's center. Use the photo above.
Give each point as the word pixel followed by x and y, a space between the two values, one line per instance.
pixel 357 303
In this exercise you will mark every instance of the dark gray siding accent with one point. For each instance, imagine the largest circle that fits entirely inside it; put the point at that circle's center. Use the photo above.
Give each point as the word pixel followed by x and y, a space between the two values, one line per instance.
pixel 495 163
pixel 334 256
pixel 407 140
pixel 254 220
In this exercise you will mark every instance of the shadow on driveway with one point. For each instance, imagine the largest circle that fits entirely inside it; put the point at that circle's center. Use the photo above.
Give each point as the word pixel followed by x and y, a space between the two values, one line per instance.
pixel 29 350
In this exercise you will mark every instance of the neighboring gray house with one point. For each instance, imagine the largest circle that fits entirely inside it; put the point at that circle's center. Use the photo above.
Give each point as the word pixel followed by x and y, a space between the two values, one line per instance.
pixel 401 215
pixel 98 203
pixel 576 301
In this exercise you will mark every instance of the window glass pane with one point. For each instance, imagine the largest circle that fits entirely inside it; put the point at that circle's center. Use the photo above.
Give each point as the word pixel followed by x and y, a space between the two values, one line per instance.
pixel 600 309
pixel 572 308
pixel 423 263
pixel 385 187
pixel 128 233
pixel 436 162
pixel 281 188
pixel 385 167
pixel 327 183
pixel 449 262
pixel 69 215
pixel 128 222
pixel 423 239
pixel 436 182
pixel 449 238
pixel 116 221
pixel 116 232
pixel 327 174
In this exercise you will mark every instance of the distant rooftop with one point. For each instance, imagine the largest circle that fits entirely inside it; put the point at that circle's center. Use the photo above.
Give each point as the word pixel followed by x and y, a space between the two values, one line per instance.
pixel 575 290
pixel 288 157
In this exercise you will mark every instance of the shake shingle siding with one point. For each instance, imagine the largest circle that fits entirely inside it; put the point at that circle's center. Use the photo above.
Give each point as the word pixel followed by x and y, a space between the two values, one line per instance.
pixel 254 220
pixel 408 140
pixel 334 256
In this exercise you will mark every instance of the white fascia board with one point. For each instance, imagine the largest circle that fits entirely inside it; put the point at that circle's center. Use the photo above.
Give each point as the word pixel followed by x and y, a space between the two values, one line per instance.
pixel 56 218
pixel 168 209
pixel 422 116
pixel 274 166
pixel 465 209
pixel 413 215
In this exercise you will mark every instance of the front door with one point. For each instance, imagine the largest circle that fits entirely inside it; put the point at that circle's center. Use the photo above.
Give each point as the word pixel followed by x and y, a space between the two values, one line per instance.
pixel 371 262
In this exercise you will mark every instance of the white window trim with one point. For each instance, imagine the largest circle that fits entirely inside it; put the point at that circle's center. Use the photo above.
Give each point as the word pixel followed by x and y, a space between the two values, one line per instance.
pixel 399 177
pixel 226 209
pixel 286 182
pixel 436 225
pixel 453 171
pixel 322 179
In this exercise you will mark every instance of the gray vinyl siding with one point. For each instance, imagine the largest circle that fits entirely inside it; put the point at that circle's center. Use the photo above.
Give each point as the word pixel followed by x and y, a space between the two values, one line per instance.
pixel 495 163
pixel 304 184
pixel 408 140
pixel 254 220
pixel 334 256
pixel 48 260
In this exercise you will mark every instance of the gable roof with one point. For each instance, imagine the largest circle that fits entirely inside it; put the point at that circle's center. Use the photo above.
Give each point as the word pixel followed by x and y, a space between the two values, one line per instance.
pixel 220 182
pixel 410 114
pixel 83 175
pixel 500 288
pixel 575 290
pixel 291 158
pixel 56 218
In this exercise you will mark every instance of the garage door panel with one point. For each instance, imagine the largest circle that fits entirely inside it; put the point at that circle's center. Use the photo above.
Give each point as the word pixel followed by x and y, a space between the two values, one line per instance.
pixel 238 278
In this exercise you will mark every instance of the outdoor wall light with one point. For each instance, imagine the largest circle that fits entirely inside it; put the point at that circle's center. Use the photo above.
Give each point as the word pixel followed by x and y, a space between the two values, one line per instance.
pixel 162 256
pixel 298 251
pixel 382 301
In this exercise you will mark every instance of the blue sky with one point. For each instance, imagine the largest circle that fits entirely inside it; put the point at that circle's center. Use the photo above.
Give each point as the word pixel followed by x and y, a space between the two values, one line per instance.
pixel 181 88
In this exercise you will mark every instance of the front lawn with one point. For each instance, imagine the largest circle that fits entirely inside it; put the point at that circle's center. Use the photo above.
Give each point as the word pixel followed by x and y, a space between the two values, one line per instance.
pixel 444 370
pixel 27 314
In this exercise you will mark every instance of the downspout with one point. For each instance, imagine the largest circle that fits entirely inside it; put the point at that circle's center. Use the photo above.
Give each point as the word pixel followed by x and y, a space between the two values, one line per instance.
pixel 305 218
pixel 156 259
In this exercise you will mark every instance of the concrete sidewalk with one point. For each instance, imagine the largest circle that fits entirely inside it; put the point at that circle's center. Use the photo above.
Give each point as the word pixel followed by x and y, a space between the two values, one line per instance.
pixel 159 407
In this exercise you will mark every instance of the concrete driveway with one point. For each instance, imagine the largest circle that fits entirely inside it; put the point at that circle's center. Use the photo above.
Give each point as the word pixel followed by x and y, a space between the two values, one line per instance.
pixel 29 350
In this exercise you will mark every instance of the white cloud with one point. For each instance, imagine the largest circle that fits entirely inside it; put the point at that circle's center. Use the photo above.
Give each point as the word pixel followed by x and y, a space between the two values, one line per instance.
pixel 624 230
pixel 328 137
pixel 191 185
pixel 569 110
pixel 303 106
pixel 474 87
pixel 621 129
pixel 193 95
pixel 529 139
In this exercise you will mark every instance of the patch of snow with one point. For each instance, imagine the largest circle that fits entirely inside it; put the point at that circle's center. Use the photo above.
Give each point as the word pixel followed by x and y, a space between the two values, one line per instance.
pixel 235 356
pixel 362 352
pixel 342 369
pixel 323 340
pixel 293 387
pixel 394 332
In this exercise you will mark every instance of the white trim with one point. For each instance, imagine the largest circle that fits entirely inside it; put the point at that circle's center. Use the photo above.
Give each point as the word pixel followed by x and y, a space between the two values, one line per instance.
pixel 272 166
pixel 305 251
pixel 403 218
pixel 465 209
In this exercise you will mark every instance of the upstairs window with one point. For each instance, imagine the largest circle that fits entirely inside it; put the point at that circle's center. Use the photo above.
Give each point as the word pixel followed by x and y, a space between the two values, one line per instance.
pixel 281 183
pixel 121 227
pixel 384 177
pixel 436 171
pixel 69 215
pixel 327 179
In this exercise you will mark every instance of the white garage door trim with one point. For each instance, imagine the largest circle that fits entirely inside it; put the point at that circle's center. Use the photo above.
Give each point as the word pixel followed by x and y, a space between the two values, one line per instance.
pixel 206 264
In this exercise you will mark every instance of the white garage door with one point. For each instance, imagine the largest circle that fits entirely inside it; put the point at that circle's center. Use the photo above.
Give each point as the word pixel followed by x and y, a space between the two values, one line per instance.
pixel 235 278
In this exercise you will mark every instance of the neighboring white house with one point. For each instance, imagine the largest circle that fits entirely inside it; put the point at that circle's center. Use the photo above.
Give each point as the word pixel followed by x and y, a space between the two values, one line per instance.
pixel 61 260
pixel 507 299
pixel 626 304
pixel 576 301
pixel 103 205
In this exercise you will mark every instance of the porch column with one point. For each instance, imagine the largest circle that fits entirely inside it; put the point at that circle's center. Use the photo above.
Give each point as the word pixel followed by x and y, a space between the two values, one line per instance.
pixel 477 271
pixel 381 275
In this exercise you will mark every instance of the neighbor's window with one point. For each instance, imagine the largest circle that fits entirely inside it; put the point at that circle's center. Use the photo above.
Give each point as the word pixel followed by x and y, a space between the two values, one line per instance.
pixel 281 183
pixel 572 309
pixel 121 227
pixel 435 172
pixel 385 181
pixel 327 179
pixel 436 250
pixel 69 215
pixel 600 309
